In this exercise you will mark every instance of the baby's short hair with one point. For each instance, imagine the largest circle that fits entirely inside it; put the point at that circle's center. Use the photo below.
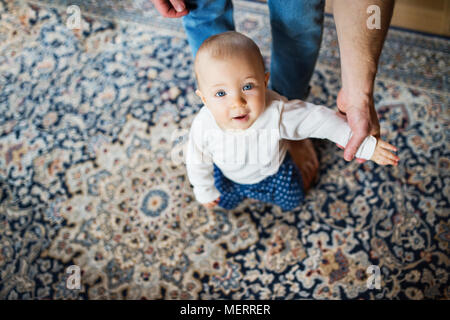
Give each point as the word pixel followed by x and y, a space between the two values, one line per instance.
pixel 228 44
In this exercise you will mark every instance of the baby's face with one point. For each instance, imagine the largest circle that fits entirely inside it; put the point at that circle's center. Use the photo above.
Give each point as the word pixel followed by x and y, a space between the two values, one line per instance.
pixel 233 89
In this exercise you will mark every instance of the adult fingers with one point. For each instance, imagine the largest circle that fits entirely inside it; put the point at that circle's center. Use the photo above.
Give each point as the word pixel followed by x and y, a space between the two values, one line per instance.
pixel 359 134
pixel 358 121
pixel 374 123
pixel 178 5
pixel 167 9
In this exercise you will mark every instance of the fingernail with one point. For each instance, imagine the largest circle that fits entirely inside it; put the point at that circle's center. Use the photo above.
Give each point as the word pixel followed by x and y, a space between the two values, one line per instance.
pixel 179 7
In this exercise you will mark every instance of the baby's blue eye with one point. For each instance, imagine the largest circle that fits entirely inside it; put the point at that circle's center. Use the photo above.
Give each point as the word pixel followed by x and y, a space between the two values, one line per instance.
pixel 220 93
pixel 248 86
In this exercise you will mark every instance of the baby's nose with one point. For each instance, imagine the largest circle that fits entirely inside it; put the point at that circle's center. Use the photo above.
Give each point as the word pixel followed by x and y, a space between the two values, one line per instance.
pixel 239 102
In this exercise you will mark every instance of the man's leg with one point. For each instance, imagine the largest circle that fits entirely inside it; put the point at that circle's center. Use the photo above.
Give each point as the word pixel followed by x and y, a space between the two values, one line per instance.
pixel 296 36
pixel 207 18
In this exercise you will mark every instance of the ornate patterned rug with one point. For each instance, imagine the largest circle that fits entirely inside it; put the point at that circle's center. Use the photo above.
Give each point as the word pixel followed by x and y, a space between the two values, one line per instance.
pixel 89 121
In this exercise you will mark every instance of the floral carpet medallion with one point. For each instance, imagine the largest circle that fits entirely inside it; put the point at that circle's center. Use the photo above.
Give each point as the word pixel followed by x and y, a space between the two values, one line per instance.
pixel 93 123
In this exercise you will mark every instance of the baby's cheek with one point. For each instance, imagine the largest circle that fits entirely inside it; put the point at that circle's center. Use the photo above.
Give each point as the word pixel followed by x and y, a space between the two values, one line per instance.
pixel 220 110
pixel 225 114
pixel 259 105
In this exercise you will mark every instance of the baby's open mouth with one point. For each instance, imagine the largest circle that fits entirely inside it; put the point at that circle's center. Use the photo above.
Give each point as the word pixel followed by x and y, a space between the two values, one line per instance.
pixel 243 117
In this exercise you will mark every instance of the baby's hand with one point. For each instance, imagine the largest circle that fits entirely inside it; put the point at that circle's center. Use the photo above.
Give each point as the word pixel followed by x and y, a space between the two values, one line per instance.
pixel 211 204
pixel 381 154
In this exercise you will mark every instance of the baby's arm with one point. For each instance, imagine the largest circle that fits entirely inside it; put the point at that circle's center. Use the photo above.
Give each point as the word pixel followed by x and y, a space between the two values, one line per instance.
pixel 200 169
pixel 381 155
pixel 301 120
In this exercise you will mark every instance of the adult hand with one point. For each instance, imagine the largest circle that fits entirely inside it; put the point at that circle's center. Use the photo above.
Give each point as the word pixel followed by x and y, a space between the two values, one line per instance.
pixel 362 118
pixel 171 8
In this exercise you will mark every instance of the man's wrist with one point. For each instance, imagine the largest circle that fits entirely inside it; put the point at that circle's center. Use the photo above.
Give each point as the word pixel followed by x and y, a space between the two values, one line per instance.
pixel 359 84
pixel 358 96
pixel 358 73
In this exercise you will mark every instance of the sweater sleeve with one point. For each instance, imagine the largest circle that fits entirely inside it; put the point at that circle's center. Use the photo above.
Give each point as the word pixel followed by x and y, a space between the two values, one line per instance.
pixel 199 166
pixel 301 120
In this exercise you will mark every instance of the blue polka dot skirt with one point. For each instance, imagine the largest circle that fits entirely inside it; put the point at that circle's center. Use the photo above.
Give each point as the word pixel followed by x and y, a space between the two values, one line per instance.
pixel 284 188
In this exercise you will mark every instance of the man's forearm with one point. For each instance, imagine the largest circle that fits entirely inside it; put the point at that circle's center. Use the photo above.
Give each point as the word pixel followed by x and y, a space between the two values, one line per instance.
pixel 360 47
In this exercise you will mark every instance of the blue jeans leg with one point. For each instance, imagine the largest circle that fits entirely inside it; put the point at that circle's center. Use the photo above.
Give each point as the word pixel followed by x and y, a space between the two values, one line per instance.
pixel 296 36
pixel 207 18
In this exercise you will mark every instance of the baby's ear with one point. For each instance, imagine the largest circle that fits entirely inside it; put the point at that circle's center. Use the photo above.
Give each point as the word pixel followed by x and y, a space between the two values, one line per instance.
pixel 266 79
pixel 199 93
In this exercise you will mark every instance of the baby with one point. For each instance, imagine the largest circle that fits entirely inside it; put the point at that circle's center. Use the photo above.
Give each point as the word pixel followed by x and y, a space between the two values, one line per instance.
pixel 236 148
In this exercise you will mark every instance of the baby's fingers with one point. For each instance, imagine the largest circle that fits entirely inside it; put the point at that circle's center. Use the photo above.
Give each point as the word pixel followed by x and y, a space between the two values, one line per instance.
pixel 384 161
pixel 209 205
pixel 386 145
pixel 388 158
pixel 389 155
pixel 212 204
